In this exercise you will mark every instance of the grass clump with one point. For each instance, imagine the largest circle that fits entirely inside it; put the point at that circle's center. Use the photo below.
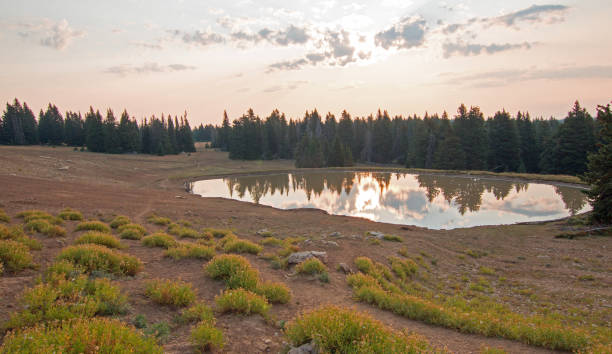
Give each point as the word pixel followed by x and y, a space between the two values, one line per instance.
pixel 404 269
pixel 217 233
pixel 99 258
pixel 271 241
pixel 169 292
pixel 242 301
pixel 66 294
pixel 44 227
pixel 204 335
pixel 241 246
pixel 16 233
pixel 131 231
pixel 30 215
pixel 393 238
pixel 79 336
pixel 190 250
pixel 120 221
pixel 476 253
pixel 3 217
pixel 184 231
pixel 339 330
pixel 70 214
pixel 15 256
pixel 93 226
pixel 235 270
pixel 486 270
pixel 311 266
pixel 275 292
pixel 99 238
pixel 159 220
pixel 159 239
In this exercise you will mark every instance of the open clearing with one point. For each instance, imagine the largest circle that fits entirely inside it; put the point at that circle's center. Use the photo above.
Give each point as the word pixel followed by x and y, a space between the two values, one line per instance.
pixel 523 266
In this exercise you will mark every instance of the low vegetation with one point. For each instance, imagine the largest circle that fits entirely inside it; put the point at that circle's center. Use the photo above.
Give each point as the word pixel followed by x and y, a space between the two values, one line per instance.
pixel 276 293
pixel 241 246
pixel 393 238
pixel 45 227
pixel 131 231
pixel 159 239
pixel 30 215
pixel 159 220
pixel 311 266
pixel 3 217
pixel 100 258
pixel 242 301
pixel 79 336
pixel 378 286
pixel 340 330
pixel 190 250
pixel 93 226
pixel 235 270
pixel 184 231
pixel 16 233
pixel 70 214
pixel 15 256
pixel 205 336
pixel 99 238
pixel 169 292
pixel 119 221
pixel 216 233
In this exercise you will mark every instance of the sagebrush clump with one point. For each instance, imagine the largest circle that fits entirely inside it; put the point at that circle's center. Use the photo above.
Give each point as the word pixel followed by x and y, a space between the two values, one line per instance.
pixel 169 292
pixel 131 231
pixel 70 214
pixel 159 220
pixel 120 221
pixel 15 256
pixel 93 226
pixel 242 301
pixel 99 238
pixel 235 270
pixel 159 240
pixel 16 233
pixel 190 250
pixel 99 258
pixel 3 217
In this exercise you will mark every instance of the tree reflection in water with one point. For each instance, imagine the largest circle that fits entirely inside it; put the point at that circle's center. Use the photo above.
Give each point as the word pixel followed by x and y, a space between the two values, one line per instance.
pixel 438 201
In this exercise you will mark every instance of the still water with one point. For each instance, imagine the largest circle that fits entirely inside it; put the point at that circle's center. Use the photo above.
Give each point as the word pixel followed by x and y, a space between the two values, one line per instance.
pixel 433 201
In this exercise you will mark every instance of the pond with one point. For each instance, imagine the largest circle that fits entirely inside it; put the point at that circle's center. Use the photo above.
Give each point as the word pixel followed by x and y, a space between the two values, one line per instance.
pixel 426 200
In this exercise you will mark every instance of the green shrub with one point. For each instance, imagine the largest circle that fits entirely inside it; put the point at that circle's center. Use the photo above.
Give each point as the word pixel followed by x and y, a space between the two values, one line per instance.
pixel 241 246
pixel 197 313
pixel 3 217
pixel 15 233
pixel 99 238
pixel 486 271
pixel 393 238
pixel 31 215
pixel 120 221
pixel 364 264
pixel 93 226
pixel 271 241
pixel 44 227
pixel 190 250
pixel 70 214
pixel 206 336
pixel 403 268
pixel 136 227
pixel 131 233
pixel 79 336
pixel 311 266
pixel 64 297
pixel 15 256
pixel 169 292
pixel 159 240
pixel 183 231
pixel 140 321
pixel 1 268
pixel 242 301
pixel 159 330
pixel 159 220
pixel 217 233
pixel 475 253
pixel 235 270
pixel 340 330
pixel 274 292
pixel 100 258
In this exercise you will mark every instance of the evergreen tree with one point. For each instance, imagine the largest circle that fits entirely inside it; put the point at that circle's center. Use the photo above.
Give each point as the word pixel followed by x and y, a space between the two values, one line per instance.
pixel 575 141
pixel 599 174
pixel 12 124
pixel 449 155
pixel 94 131
pixel 530 154
pixel 112 141
pixel 470 128
pixel 128 131
pixel 74 129
pixel 336 154
pixel 504 147
pixel 51 126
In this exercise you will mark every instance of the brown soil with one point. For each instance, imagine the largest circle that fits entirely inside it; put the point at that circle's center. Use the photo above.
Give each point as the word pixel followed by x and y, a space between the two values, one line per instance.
pixel 102 186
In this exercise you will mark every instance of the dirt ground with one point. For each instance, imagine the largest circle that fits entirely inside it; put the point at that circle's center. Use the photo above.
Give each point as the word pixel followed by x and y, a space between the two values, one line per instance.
pixel 102 186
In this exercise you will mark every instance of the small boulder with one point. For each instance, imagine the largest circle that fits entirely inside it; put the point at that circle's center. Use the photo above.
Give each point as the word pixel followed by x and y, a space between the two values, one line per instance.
pixel 335 234
pixel 299 257
pixel 344 268
pixel 308 348
pixel 376 234
pixel 264 233
pixel 330 243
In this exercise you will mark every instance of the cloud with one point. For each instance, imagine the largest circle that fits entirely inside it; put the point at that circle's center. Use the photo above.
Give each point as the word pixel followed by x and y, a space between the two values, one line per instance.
pixel 288 65
pixel 200 38
pixel 505 77
pixel 289 86
pixel 147 68
pixel 56 35
pixel 470 49
pixel 157 46
pixel 534 14
pixel 408 33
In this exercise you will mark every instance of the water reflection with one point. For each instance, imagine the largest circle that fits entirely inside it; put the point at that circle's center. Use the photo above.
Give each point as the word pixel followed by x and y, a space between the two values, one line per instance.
pixel 434 201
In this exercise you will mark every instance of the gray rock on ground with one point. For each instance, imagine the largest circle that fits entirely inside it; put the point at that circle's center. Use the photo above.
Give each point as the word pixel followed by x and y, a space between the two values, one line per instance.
pixel 376 234
pixel 308 348
pixel 299 257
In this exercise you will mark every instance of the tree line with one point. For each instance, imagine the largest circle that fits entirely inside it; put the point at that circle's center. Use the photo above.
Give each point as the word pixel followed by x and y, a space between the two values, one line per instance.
pixel 158 136
pixel 467 141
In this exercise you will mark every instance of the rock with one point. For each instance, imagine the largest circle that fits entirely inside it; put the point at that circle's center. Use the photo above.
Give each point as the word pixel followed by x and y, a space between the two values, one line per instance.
pixel 308 348
pixel 264 233
pixel 299 257
pixel 267 341
pixel 64 168
pixel 344 268
pixel 376 234
pixel 335 234
pixel 330 243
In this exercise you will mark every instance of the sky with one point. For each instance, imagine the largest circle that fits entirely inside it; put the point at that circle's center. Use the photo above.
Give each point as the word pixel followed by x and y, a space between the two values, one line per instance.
pixel 405 56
